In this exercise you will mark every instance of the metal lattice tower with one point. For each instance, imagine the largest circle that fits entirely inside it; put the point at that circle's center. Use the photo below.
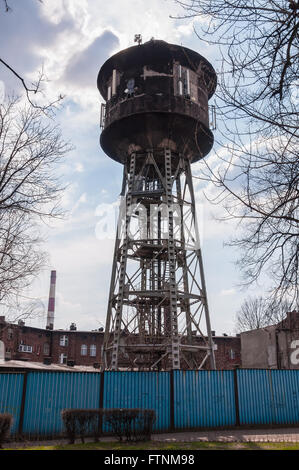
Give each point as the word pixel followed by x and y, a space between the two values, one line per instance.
pixel 156 123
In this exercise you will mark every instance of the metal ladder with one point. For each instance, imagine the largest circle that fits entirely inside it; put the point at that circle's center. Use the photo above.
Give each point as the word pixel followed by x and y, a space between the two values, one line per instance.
pixel 175 352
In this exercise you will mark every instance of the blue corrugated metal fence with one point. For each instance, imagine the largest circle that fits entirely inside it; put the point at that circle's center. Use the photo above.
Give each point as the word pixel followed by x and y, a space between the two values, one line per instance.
pixel 268 396
pixel 204 399
pixel 181 399
pixel 48 393
pixel 139 390
pixel 11 388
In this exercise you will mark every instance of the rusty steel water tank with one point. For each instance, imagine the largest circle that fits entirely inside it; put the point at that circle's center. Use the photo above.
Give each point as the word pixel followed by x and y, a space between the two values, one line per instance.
pixel 156 97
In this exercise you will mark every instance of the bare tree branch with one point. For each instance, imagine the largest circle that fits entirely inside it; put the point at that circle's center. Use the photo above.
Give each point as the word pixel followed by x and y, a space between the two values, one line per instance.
pixel 30 152
pixel 260 312
pixel 256 176
pixel 33 88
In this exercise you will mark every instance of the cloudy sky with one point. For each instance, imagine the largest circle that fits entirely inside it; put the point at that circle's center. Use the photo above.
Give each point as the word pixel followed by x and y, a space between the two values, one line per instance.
pixel 70 40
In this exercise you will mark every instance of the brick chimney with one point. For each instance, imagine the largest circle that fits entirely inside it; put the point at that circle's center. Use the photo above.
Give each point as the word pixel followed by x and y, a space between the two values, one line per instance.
pixel 51 305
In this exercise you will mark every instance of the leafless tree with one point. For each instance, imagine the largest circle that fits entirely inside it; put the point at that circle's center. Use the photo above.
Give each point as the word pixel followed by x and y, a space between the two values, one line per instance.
pixel 35 88
pixel 259 43
pixel 277 311
pixel 6 6
pixel 252 315
pixel 260 312
pixel 20 257
pixel 257 171
pixel 30 152
pixel 21 309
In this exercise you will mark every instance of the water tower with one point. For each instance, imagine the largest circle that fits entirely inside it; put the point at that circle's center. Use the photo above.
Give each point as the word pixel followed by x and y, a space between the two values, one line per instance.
pixel 156 123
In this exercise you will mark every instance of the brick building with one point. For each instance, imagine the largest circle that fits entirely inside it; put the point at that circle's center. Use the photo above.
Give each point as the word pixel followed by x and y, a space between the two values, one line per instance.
pixel 26 343
pixel 77 347
pixel 276 346
pixel 73 347
pixel 228 352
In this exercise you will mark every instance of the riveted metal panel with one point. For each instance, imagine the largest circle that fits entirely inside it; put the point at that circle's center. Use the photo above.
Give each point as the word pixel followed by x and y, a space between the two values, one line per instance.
pixel 204 399
pixel 11 389
pixel 48 393
pixel 147 390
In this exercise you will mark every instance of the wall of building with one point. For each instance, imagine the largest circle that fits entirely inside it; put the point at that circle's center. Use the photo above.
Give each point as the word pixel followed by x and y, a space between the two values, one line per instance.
pixel 80 347
pixel 228 352
pixel 258 349
pixel 25 343
pixel 274 347
pixel 288 342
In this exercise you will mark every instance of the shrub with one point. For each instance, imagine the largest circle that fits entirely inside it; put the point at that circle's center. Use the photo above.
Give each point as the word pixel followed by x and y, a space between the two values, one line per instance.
pixel 131 424
pixel 81 423
pixel 5 425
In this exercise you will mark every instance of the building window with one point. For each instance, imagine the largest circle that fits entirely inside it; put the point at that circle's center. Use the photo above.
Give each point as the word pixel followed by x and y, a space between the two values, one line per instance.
pixel 83 350
pixel 183 84
pixel 93 350
pixel 62 358
pixel 46 349
pixel 9 334
pixel 186 83
pixel 232 354
pixel 64 341
pixel 25 348
pixel 114 82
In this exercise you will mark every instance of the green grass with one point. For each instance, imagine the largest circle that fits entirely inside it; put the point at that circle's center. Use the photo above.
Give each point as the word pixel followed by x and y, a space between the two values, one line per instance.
pixel 155 445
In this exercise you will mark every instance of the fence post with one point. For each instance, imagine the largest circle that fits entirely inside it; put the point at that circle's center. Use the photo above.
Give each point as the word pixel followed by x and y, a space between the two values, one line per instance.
pixel 236 397
pixel 172 425
pixel 101 399
pixel 21 421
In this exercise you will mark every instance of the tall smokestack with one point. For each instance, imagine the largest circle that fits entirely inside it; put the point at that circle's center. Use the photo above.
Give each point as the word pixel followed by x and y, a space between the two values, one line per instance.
pixel 51 305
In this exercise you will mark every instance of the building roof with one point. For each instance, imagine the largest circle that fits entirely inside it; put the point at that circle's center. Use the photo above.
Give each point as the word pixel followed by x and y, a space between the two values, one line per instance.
pixel 27 365
pixel 150 52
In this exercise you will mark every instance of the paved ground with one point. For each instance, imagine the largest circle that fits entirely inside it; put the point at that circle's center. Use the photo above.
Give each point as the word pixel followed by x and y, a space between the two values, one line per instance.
pixel 238 435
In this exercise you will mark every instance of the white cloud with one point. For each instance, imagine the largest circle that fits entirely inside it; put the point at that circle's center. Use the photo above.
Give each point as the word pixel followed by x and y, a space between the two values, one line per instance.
pixel 226 292
pixel 71 39
pixel 79 168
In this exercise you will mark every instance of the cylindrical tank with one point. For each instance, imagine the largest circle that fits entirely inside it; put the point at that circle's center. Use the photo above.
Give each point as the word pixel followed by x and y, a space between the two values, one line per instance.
pixel 156 97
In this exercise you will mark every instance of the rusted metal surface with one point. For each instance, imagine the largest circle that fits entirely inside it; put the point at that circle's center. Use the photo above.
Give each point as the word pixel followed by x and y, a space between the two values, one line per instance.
pixel 158 54
pixel 168 100
pixel 156 124
pixel 158 282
